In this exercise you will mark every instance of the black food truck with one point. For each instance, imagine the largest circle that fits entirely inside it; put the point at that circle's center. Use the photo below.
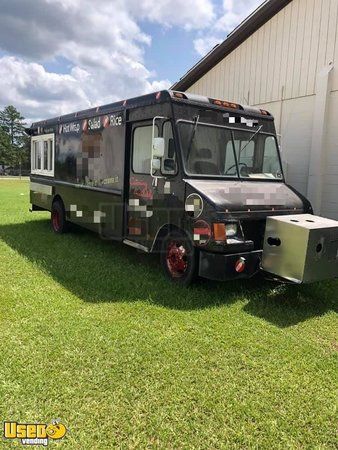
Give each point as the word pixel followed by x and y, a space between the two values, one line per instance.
pixel 189 177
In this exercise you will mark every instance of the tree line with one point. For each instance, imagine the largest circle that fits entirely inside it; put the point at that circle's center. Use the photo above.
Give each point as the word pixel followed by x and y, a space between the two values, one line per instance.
pixel 14 142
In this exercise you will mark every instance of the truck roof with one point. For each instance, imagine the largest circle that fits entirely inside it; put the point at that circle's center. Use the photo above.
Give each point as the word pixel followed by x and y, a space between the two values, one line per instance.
pixel 150 99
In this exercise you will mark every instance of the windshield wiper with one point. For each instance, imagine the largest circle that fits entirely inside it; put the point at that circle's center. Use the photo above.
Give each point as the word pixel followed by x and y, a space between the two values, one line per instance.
pixel 197 118
pixel 250 140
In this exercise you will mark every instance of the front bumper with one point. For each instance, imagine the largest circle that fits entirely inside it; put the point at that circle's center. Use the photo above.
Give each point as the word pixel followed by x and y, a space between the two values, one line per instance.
pixel 221 267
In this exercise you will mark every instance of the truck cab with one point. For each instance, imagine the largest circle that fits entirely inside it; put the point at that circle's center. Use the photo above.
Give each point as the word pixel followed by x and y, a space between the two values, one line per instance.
pixel 213 176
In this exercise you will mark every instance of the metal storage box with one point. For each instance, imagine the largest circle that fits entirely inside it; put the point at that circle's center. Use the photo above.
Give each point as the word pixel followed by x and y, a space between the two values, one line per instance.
pixel 301 248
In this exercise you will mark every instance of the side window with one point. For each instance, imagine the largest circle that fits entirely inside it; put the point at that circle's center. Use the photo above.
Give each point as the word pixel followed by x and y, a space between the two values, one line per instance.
pixel 142 137
pixel 168 163
pixel 42 155
pixel 45 154
pixel 270 161
pixel 37 155
pixel 50 156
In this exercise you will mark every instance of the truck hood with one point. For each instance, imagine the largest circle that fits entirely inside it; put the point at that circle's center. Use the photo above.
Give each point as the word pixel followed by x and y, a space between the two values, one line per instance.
pixel 241 196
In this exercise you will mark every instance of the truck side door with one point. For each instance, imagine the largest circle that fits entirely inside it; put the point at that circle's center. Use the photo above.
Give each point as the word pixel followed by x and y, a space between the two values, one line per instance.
pixel 148 202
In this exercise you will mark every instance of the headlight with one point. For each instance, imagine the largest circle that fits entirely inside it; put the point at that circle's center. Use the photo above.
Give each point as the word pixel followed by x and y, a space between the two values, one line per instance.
pixel 224 231
pixel 231 229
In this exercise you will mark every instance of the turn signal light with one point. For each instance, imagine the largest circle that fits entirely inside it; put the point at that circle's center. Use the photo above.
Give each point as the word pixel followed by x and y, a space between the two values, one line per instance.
pixel 220 232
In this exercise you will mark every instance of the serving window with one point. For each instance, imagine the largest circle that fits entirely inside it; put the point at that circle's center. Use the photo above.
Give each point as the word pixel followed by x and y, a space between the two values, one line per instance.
pixel 42 155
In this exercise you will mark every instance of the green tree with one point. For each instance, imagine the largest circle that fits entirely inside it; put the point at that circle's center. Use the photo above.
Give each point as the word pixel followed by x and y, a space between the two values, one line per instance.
pixel 13 126
pixel 12 122
pixel 5 147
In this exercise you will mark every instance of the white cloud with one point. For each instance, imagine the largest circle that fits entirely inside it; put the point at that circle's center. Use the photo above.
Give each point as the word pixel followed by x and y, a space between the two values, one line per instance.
pixel 102 43
pixel 204 45
pixel 233 13
pixel 37 91
pixel 189 14
pixel 39 94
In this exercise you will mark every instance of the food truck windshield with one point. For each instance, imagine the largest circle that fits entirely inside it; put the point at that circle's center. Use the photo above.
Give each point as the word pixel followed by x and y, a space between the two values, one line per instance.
pixel 217 151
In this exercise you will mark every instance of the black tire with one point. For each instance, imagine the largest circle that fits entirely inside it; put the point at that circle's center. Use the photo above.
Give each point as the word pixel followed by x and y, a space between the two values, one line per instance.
pixel 58 218
pixel 179 258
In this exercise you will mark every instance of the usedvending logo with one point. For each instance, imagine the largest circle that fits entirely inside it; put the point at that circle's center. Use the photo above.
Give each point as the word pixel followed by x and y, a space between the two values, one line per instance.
pixel 35 433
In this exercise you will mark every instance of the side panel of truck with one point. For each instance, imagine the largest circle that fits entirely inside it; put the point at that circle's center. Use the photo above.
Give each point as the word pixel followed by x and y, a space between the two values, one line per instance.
pixel 89 173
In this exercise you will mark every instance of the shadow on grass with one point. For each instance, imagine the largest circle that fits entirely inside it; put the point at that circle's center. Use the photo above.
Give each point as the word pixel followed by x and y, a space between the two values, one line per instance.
pixel 101 271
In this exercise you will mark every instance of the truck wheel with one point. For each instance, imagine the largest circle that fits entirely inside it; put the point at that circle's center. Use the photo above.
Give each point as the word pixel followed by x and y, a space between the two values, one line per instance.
pixel 179 258
pixel 58 218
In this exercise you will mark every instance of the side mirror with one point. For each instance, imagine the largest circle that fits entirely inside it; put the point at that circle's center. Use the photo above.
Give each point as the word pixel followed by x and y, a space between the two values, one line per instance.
pixel 169 165
pixel 158 147
pixel 171 149
pixel 155 164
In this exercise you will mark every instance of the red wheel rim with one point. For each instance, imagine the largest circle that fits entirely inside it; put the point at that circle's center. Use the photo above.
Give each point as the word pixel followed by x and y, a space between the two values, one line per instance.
pixel 177 259
pixel 56 220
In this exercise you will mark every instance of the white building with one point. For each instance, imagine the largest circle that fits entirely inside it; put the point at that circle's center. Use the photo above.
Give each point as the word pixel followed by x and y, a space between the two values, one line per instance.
pixel 284 58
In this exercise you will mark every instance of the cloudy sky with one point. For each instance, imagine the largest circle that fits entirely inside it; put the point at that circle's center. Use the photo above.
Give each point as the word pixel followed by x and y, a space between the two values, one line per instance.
pixel 58 56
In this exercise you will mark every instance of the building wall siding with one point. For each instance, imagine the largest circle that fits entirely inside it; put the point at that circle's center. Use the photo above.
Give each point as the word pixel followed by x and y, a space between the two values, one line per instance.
pixel 277 68
pixel 286 53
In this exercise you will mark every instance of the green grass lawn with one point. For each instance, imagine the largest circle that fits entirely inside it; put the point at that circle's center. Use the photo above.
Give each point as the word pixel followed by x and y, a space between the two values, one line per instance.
pixel 92 333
